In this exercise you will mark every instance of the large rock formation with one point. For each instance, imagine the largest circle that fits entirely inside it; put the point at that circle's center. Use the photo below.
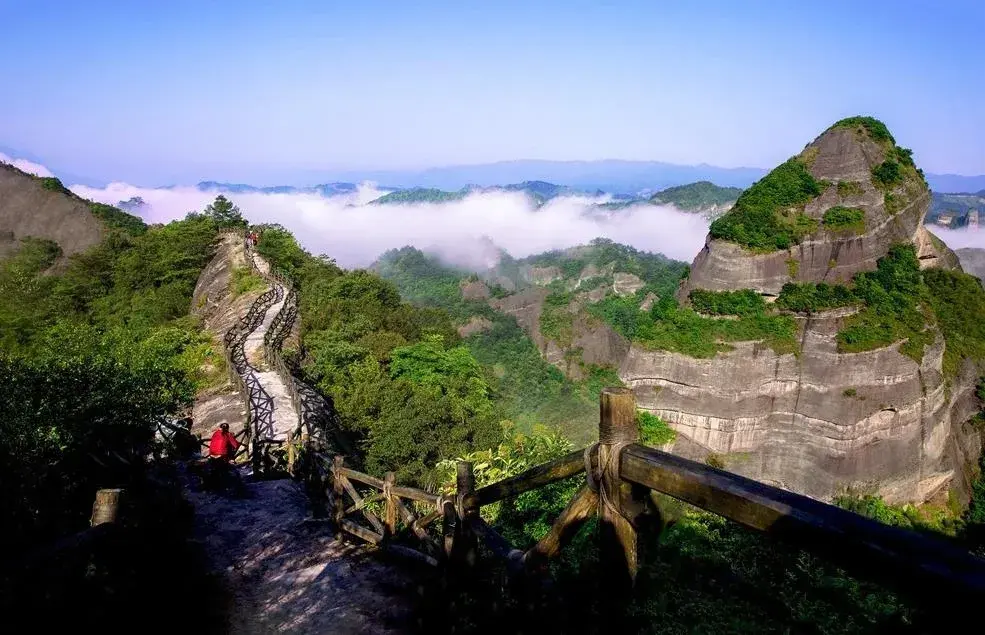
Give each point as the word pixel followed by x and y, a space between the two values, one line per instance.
pixel 821 421
pixel 842 158
pixel 27 208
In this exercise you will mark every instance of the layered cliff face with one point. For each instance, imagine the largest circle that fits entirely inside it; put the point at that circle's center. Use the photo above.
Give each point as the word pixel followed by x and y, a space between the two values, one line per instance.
pixel 887 419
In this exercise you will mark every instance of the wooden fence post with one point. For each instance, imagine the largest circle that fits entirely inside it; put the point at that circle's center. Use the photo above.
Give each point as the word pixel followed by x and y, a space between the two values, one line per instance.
pixel 617 499
pixel 465 548
pixel 106 507
pixel 338 487
pixel 390 513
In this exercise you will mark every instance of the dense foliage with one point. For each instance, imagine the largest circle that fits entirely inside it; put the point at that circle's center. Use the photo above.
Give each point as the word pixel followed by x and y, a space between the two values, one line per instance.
pixel 769 215
pixel 115 218
pixel 404 388
pixel 92 356
pixel 741 302
pixel 697 196
pixel 667 326
pixel 654 431
pixel 810 297
pixel 524 387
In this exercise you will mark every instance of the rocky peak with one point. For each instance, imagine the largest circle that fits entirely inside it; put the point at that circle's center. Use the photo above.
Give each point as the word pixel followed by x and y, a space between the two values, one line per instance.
pixel 822 216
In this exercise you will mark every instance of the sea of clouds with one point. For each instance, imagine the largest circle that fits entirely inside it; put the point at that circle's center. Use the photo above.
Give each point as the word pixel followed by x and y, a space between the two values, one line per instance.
pixel 354 232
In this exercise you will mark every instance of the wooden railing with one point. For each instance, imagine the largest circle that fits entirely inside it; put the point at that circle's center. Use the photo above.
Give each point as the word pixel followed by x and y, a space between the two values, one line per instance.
pixel 621 479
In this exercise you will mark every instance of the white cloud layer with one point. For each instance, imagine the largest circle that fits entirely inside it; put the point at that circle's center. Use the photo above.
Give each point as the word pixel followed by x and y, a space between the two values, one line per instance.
pixel 26 166
pixel 355 233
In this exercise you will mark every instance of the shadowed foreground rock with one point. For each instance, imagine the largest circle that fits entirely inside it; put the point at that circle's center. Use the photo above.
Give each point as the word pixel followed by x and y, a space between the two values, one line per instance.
pixel 285 575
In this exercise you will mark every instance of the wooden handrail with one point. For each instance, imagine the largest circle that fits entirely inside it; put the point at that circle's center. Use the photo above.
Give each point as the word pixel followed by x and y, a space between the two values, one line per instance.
pixel 534 478
pixel 901 558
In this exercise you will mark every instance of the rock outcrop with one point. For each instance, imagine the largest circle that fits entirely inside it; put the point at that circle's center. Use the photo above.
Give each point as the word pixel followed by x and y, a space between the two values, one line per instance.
pixel 841 156
pixel 821 421
pixel 27 208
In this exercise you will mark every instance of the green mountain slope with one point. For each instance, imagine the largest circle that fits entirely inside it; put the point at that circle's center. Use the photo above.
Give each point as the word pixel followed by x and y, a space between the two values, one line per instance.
pixel 697 197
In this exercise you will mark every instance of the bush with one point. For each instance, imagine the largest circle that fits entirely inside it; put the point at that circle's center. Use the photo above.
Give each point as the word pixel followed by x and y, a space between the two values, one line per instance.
pixel 876 129
pixel 768 216
pixel 887 174
pixel 808 297
pixel 118 219
pixel 52 184
pixel 845 219
pixel 654 431
pixel 741 302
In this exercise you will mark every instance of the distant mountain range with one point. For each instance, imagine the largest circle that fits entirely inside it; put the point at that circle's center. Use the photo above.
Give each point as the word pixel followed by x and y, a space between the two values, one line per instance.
pixel 612 176
pixel 615 177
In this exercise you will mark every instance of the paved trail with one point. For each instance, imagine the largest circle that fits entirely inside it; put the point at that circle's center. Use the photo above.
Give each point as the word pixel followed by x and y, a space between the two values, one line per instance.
pixel 284 574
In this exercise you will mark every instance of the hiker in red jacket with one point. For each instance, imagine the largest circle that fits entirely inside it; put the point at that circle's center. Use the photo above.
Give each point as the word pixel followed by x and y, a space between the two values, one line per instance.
pixel 223 445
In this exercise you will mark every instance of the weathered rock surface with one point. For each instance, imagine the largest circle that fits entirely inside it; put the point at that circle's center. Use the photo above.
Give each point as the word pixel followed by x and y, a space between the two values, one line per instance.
pixel 821 421
pixel 476 324
pixel 27 209
pixel 840 155
pixel 475 290
pixel 624 284
pixel 284 575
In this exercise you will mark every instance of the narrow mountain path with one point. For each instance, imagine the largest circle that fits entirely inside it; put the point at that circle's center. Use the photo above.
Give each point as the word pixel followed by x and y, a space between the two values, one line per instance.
pixel 285 415
pixel 282 571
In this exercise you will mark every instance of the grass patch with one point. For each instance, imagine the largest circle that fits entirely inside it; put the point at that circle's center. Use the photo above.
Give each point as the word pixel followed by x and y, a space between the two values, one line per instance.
pixel 245 280
pixel 849 188
pixel 769 215
pixel 654 431
pixel 849 392
pixel 840 218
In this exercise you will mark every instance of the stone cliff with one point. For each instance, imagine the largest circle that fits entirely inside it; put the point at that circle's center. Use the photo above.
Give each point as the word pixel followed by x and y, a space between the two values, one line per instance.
pixel 821 421
pixel 887 420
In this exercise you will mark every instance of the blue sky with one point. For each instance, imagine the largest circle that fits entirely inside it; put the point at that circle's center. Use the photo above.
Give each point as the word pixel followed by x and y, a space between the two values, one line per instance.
pixel 162 92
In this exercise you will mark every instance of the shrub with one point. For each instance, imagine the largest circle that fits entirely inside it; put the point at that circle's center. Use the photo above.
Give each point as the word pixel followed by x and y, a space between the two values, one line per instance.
pixel 654 431
pixel 766 216
pixel 845 219
pixel 876 129
pixel 887 174
pixel 52 184
pixel 741 302
pixel 849 392
pixel 118 219
pixel 808 297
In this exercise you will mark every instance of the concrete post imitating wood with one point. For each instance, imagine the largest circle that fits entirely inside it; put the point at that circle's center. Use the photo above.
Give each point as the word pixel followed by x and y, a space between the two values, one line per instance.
pixel 106 507
pixel 338 487
pixel 617 499
pixel 466 547
pixel 390 513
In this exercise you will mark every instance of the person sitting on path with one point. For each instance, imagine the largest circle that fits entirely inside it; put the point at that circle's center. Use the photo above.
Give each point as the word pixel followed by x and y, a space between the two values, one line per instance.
pixel 223 445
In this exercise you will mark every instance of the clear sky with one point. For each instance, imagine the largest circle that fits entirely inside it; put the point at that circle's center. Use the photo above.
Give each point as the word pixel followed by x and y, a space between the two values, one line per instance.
pixel 157 92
